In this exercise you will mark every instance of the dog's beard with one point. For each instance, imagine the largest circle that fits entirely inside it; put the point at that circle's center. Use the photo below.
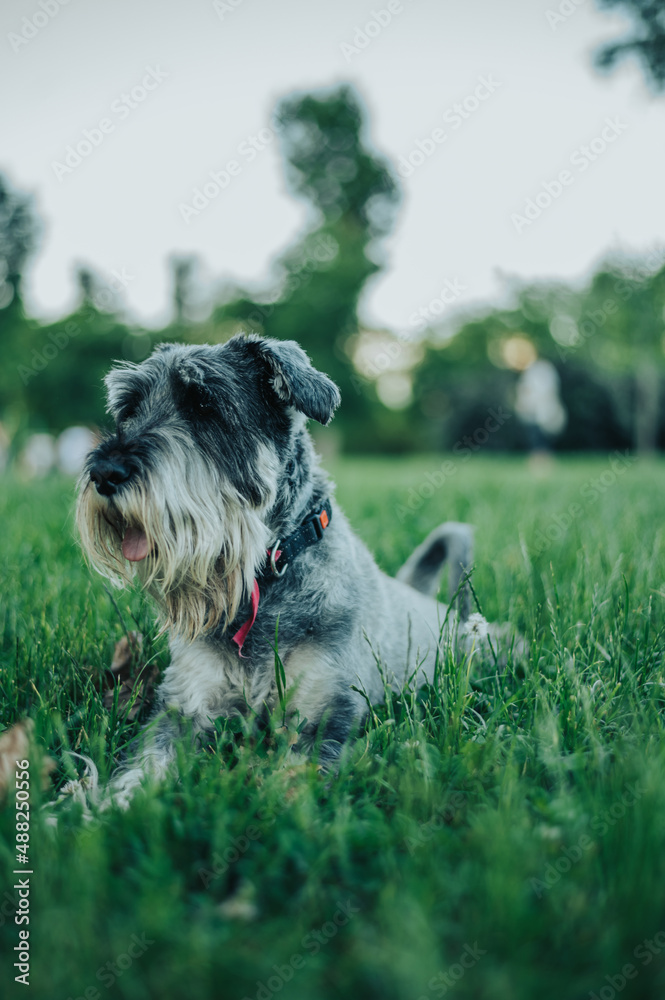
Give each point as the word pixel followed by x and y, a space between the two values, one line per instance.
pixel 195 544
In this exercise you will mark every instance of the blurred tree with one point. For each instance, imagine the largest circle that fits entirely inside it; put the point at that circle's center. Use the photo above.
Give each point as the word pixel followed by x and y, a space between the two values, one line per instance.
pixel 52 374
pixel 182 269
pixel 635 331
pixel 329 163
pixel 352 196
pixel 648 41
pixel 85 279
pixel 620 329
pixel 62 367
pixel 88 286
pixel 18 238
pixel 606 341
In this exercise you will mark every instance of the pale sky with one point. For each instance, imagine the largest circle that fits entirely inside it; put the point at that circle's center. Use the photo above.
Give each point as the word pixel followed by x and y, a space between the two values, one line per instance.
pixel 216 76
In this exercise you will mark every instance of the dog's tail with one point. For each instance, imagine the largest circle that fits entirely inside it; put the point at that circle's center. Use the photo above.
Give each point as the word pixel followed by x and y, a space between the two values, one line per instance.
pixel 450 543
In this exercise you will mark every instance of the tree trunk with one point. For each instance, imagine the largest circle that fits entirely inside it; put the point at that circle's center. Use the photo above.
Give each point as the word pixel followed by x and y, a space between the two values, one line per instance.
pixel 647 407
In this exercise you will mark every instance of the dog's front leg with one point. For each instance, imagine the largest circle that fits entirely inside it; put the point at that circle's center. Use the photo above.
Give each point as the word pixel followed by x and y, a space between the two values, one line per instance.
pixel 152 757
pixel 325 738
pixel 321 698
pixel 194 689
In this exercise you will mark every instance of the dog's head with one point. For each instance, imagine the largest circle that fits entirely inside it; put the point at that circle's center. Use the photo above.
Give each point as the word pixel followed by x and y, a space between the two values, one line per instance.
pixel 179 492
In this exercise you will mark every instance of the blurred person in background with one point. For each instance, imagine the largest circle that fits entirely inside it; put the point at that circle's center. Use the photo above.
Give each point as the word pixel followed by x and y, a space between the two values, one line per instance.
pixel 538 404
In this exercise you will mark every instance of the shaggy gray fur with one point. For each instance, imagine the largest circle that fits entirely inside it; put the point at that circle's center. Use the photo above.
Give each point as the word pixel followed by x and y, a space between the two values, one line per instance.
pixel 209 463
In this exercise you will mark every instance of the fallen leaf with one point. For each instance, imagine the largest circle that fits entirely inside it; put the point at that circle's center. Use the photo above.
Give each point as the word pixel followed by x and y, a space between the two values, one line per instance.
pixel 126 661
pixel 127 651
pixel 15 745
pixel 241 905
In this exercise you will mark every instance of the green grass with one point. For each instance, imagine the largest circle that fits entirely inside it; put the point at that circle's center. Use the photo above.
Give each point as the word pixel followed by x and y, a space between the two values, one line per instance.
pixel 492 819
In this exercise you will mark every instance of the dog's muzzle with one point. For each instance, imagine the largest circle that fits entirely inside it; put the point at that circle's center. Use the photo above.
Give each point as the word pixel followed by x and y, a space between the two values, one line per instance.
pixel 109 475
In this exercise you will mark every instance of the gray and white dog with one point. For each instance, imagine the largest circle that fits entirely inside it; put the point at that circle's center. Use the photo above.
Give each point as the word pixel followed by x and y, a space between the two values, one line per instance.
pixel 211 491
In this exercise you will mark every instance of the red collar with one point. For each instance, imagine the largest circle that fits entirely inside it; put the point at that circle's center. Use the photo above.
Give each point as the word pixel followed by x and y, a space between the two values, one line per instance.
pixel 310 531
pixel 243 631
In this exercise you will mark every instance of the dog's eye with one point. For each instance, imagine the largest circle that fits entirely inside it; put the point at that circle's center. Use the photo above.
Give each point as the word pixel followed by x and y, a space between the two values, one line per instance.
pixel 127 410
pixel 196 401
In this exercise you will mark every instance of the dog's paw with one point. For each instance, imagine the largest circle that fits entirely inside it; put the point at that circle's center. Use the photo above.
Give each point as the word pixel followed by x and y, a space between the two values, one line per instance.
pixel 83 791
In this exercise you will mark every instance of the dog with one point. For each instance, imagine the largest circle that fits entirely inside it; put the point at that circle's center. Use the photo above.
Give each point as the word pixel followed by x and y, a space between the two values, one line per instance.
pixel 210 490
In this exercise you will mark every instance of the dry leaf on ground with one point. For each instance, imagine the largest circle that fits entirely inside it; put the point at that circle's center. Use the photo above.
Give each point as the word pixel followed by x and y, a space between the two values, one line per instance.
pixel 15 745
pixel 135 679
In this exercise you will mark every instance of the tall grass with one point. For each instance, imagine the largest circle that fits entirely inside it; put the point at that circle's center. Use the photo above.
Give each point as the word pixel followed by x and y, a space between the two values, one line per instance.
pixel 497 834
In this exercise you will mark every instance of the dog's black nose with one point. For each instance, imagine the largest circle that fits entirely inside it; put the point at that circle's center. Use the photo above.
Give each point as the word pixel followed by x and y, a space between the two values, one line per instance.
pixel 108 474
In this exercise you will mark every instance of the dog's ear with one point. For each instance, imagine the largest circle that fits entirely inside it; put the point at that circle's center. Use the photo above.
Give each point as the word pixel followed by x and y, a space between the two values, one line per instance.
pixel 296 382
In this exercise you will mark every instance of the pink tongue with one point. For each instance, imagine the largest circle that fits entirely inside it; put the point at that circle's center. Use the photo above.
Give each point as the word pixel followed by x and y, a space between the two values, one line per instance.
pixel 135 545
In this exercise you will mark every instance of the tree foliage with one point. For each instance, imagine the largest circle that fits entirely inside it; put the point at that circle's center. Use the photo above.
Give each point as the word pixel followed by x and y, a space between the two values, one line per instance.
pixel 605 339
pixel 18 239
pixel 352 195
pixel 647 40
